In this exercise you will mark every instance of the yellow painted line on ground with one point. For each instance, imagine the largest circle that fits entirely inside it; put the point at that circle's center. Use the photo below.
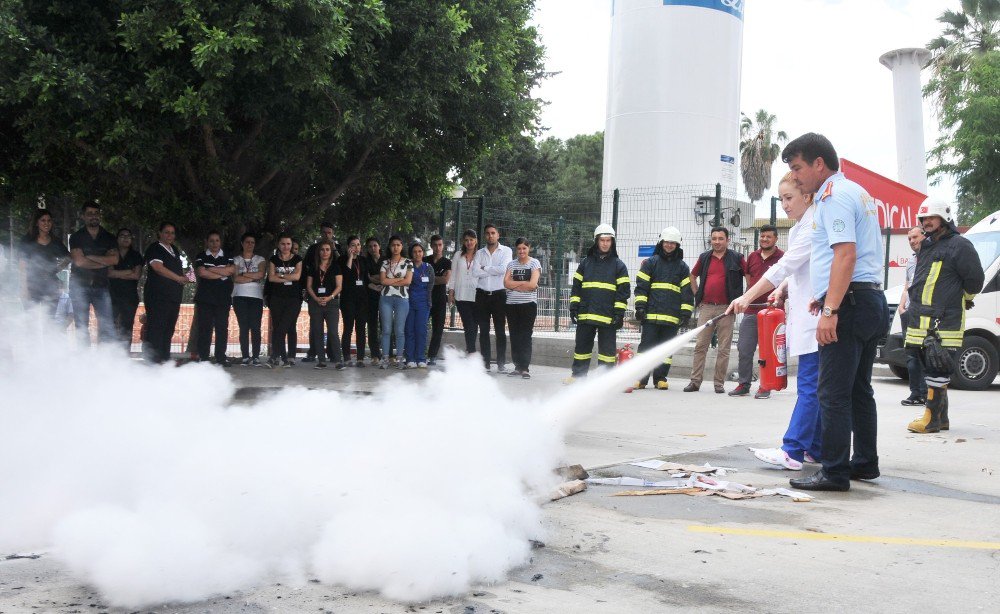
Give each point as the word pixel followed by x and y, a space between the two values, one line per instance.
pixel 839 537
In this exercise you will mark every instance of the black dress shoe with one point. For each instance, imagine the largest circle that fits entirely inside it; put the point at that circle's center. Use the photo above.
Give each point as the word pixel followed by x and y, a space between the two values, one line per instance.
pixel 818 481
pixel 865 475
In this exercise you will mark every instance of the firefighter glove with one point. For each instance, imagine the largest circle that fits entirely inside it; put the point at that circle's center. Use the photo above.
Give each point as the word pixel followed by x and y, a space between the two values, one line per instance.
pixel 936 357
pixel 640 314
pixel 573 315
pixel 969 304
pixel 619 321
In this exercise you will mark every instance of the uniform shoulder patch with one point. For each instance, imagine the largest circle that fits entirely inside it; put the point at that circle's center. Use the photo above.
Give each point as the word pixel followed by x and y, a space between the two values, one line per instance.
pixel 827 192
pixel 838 226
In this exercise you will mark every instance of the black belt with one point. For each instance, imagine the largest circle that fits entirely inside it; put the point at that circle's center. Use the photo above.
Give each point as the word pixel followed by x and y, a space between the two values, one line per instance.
pixel 864 285
pixel 489 292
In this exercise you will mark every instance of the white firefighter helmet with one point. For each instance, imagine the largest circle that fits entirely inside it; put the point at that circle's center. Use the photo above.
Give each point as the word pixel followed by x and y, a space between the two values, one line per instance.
pixel 935 206
pixel 604 229
pixel 671 234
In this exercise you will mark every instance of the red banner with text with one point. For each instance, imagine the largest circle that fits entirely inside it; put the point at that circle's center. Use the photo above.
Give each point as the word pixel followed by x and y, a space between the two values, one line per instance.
pixel 897 204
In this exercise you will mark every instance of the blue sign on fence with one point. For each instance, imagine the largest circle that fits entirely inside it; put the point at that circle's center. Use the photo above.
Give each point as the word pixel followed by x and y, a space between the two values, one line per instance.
pixel 733 7
pixel 645 251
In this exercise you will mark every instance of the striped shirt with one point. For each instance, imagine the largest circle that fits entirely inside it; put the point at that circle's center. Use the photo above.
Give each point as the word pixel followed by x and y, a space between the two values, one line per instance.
pixel 522 272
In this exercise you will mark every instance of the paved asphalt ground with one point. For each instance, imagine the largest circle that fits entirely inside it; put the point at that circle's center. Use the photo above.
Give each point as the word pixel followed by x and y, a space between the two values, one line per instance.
pixel 923 538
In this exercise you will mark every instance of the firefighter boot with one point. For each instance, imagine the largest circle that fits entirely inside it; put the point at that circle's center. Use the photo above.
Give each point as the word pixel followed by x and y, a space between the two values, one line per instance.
pixel 945 425
pixel 930 422
pixel 662 385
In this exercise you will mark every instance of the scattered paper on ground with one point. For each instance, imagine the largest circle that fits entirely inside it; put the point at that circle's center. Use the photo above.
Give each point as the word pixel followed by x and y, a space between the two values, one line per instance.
pixel 697 485
pixel 568 488
pixel 681 470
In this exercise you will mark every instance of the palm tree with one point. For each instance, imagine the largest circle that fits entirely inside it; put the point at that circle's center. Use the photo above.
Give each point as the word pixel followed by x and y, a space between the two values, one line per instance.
pixel 969 33
pixel 759 148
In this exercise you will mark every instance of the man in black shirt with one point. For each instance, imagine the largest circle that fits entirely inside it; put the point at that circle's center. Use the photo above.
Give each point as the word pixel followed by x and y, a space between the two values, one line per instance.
pixel 439 297
pixel 213 297
pixel 123 283
pixel 92 250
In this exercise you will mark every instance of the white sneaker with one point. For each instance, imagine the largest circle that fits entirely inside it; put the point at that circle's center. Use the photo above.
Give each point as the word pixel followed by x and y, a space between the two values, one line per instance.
pixel 777 456
pixel 411 365
pixel 421 365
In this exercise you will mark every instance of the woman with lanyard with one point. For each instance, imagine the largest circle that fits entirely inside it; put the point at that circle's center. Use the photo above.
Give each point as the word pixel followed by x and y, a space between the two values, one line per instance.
pixel 323 288
pixel 791 274
pixel 420 309
pixel 43 255
pixel 462 288
pixel 162 293
pixel 354 301
pixel 248 299
pixel 284 299
pixel 395 275
pixel 521 281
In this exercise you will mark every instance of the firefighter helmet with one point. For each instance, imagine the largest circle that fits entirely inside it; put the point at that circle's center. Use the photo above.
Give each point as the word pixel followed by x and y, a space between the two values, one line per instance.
pixel 670 234
pixel 604 229
pixel 935 206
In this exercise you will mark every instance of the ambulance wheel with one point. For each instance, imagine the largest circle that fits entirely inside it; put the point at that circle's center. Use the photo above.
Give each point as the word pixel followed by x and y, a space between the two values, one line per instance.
pixel 975 364
pixel 901 372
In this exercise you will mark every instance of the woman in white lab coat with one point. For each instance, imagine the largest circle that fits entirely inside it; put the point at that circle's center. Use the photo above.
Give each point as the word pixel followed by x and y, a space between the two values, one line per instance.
pixel 790 277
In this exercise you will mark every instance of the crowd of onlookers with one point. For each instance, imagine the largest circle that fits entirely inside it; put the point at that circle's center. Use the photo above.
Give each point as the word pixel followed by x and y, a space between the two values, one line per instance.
pixel 387 299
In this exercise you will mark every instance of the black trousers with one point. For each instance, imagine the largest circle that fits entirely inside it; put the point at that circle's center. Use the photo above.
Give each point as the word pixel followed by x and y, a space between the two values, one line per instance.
pixel 354 311
pixel 213 318
pixel 249 312
pixel 652 336
pixel 492 305
pixel 846 398
pixel 284 315
pixel 374 330
pixel 584 349
pixel 467 312
pixel 439 308
pixel 521 319
pixel 161 318
pixel 123 313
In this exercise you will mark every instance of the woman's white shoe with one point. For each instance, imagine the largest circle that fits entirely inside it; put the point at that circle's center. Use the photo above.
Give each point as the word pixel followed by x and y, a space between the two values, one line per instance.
pixel 777 456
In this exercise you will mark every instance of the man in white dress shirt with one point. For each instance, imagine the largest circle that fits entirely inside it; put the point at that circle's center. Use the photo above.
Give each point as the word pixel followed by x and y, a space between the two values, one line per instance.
pixel 489 268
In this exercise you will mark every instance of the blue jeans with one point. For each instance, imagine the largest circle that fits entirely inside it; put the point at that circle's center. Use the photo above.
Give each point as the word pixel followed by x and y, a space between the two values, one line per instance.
pixel 392 311
pixel 82 297
pixel 803 434
pixel 416 330
pixel 846 398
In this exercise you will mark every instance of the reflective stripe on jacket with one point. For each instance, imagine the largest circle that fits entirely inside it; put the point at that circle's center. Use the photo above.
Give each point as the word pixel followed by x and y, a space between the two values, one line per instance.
pixel 948 273
pixel 601 288
pixel 663 288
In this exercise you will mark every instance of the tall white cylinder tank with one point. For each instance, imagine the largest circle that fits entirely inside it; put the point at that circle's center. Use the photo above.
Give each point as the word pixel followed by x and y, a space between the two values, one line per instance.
pixel 911 161
pixel 673 93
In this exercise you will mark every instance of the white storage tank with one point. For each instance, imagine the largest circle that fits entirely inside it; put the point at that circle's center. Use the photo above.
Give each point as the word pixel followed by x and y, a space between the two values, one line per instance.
pixel 673 112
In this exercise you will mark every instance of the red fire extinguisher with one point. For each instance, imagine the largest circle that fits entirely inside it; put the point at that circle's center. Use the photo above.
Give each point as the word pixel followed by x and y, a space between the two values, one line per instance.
pixel 773 349
pixel 624 355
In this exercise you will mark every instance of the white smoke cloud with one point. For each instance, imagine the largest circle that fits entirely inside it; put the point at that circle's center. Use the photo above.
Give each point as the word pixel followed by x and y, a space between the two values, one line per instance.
pixel 148 484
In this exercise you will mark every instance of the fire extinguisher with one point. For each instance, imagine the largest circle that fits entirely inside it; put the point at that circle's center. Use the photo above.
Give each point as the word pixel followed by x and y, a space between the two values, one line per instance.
pixel 624 355
pixel 773 349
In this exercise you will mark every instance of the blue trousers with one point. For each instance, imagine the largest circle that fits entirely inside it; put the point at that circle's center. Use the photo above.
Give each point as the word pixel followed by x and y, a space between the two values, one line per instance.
pixel 804 432
pixel 392 312
pixel 845 390
pixel 82 297
pixel 416 330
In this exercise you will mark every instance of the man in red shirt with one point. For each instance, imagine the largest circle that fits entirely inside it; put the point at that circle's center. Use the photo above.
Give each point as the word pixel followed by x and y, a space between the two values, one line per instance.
pixel 757 262
pixel 717 278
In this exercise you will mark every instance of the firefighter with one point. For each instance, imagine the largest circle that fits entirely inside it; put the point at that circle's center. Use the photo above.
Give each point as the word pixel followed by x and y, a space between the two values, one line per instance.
pixel 947 278
pixel 663 299
pixel 597 305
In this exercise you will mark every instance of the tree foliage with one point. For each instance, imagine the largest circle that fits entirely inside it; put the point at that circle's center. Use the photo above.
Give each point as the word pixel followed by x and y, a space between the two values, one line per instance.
pixel 965 87
pixel 759 148
pixel 259 114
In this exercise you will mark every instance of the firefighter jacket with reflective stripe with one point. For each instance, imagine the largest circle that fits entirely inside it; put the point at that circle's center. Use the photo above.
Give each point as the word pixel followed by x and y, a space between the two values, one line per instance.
pixel 663 288
pixel 601 289
pixel 948 272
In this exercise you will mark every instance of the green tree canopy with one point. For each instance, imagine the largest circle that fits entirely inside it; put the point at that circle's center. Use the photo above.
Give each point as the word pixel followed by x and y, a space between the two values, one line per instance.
pixel 258 114
pixel 965 86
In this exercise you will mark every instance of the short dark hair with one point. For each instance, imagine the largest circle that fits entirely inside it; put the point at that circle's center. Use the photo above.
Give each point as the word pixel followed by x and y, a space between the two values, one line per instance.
pixel 285 235
pixel 414 246
pixel 121 230
pixel 326 224
pixel 769 228
pixel 488 226
pixel 248 235
pixel 163 225
pixel 522 241
pixel 395 238
pixel 721 229
pixel 811 146
pixel 435 238
pixel 353 237
pixel 370 239
pixel 213 232
pixel 90 204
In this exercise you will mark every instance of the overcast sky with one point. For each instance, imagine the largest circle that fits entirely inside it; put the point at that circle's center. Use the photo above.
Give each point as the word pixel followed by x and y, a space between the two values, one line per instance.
pixel 812 63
